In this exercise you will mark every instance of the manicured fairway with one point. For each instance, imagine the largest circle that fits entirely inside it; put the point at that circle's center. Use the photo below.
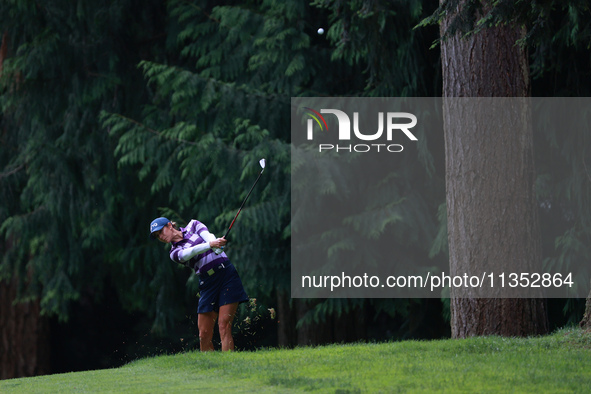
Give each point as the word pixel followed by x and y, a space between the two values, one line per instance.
pixel 554 363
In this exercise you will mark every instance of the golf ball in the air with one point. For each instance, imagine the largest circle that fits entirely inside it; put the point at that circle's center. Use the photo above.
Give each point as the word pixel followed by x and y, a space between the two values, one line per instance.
pixel 321 31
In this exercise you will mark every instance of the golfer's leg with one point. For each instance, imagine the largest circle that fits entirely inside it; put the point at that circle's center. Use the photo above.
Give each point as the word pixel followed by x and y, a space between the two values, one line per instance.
pixel 226 317
pixel 205 323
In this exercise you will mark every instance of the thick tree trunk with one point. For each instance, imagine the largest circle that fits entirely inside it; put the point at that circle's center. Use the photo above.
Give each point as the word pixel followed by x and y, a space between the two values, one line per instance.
pixel 24 337
pixel 492 215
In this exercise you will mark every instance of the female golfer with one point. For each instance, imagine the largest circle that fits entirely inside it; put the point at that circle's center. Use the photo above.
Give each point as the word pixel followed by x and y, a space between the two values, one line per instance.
pixel 220 286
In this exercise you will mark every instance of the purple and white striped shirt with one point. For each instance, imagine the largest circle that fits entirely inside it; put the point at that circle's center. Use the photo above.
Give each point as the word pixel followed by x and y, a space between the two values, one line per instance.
pixel 196 233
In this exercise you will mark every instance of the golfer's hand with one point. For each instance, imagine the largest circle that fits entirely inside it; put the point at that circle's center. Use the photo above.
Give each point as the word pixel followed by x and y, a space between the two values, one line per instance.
pixel 218 243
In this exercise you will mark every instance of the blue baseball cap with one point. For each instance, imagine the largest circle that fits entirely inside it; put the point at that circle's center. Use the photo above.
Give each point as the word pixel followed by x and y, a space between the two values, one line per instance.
pixel 157 225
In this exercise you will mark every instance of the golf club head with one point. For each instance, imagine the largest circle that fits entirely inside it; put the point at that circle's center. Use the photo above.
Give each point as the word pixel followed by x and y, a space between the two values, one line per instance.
pixel 262 162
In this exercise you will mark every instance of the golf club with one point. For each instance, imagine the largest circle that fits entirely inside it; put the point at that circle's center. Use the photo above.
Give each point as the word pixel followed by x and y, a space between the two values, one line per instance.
pixel 262 163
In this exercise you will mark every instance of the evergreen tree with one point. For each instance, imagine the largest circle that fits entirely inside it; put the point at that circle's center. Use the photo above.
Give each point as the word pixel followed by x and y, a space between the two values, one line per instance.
pixel 557 34
pixel 68 214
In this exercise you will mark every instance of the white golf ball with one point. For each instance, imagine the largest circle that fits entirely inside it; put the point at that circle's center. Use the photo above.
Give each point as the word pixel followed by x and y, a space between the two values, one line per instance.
pixel 321 31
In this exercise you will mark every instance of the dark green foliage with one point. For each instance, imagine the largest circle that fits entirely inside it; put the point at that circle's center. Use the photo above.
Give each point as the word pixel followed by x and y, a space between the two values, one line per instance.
pixel 68 215
pixel 565 21
pixel 114 113
pixel 378 37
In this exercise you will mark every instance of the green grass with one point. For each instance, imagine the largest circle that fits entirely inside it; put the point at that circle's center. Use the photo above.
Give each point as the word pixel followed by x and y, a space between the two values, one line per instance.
pixel 555 363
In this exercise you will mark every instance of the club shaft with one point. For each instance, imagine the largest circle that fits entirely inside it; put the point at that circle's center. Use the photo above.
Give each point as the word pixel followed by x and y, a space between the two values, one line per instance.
pixel 243 202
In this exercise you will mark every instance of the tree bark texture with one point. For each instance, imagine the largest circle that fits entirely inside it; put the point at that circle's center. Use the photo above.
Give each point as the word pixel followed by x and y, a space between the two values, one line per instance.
pixel 24 336
pixel 491 207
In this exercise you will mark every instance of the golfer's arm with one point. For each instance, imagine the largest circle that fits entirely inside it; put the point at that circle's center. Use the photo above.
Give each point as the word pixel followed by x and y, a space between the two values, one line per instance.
pixel 189 253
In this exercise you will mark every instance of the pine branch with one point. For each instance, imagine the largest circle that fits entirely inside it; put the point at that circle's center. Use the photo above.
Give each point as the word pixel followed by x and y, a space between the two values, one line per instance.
pixel 156 132
pixel 11 172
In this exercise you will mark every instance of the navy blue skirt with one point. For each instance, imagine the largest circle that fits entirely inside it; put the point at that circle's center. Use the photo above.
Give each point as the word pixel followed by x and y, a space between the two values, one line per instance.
pixel 221 288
